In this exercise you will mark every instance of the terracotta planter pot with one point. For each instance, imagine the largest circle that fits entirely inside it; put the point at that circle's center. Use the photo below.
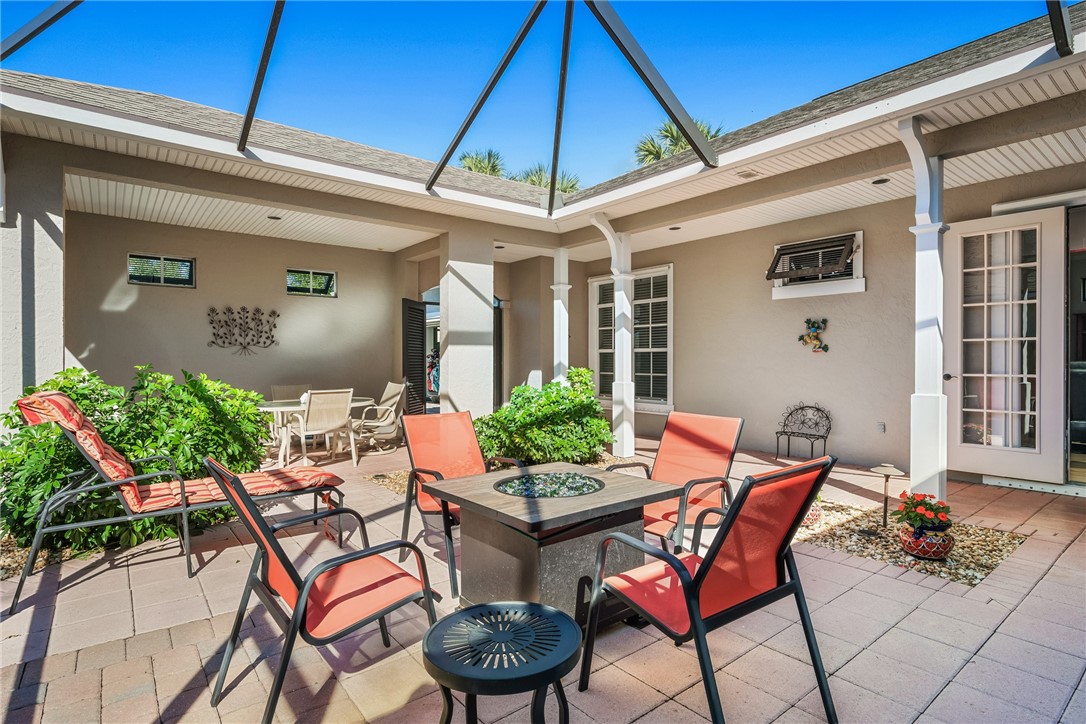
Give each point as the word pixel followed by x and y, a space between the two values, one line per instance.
pixel 933 545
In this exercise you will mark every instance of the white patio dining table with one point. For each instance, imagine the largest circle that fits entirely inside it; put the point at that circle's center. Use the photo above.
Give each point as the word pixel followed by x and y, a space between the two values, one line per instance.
pixel 282 410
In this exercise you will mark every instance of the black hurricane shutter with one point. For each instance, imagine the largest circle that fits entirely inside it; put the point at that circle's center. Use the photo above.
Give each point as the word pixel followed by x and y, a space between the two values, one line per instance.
pixel 414 355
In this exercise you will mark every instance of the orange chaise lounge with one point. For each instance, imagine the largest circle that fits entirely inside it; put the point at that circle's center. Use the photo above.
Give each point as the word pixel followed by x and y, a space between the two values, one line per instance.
pixel 154 494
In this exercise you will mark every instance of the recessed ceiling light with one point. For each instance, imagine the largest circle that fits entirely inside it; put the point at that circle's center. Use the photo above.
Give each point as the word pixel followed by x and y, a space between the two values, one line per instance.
pixel 748 173
pixel 274 217
pixel 880 181
pixel 498 246
pixel 674 228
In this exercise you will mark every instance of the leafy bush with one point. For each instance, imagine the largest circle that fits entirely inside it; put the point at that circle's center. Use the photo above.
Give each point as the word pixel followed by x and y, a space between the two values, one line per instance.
pixel 559 423
pixel 156 416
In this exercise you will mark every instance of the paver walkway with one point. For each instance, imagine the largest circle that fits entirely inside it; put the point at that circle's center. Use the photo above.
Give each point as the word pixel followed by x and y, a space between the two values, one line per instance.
pixel 126 637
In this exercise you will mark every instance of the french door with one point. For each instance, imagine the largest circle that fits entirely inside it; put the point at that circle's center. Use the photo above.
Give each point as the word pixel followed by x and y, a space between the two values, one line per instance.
pixel 1004 336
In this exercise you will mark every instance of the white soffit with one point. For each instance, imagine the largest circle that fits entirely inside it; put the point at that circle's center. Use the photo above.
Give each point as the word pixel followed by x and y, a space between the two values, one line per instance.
pixel 51 129
pixel 109 197
pixel 1060 149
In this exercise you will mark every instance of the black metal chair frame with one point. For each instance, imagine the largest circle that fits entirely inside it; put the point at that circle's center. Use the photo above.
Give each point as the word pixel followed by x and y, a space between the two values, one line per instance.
pixel 678 532
pixel 691 586
pixel 790 433
pixel 292 623
pixel 83 482
pixel 448 520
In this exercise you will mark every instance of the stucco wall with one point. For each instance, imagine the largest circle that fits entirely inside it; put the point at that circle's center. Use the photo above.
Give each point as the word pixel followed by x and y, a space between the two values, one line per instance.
pixel 736 351
pixel 111 325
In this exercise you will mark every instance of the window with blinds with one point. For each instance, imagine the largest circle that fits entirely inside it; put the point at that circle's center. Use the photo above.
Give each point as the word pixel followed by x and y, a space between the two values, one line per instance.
pixel 833 265
pixel 652 339
pixel 311 283
pixel 166 271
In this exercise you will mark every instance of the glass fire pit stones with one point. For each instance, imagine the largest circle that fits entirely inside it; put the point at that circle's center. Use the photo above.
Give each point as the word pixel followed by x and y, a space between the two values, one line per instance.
pixel 549 485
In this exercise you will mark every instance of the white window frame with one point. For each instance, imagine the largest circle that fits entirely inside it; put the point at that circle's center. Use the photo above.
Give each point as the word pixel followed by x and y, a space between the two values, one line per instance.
pixel 311 272
pixel 640 405
pixel 163 258
pixel 782 290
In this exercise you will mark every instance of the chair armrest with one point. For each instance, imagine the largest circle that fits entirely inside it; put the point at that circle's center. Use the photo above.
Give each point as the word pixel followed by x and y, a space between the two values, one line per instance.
pixel 79 490
pixel 662 555
pixel 619 466
pixel 388 411
pixel 504 461
pixel 415 472
pixel 700 523
pixel 325 566
pixel 311 517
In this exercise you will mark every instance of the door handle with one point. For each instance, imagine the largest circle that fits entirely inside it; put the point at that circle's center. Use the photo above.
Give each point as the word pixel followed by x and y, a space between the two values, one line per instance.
pixel 947 377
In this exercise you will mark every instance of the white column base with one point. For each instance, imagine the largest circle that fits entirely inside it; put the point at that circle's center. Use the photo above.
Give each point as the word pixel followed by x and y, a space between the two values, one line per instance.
pixel 927 451
pixel 622 417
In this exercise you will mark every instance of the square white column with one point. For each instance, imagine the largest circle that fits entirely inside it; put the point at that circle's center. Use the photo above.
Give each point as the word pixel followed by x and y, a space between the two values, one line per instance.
pixel 467 324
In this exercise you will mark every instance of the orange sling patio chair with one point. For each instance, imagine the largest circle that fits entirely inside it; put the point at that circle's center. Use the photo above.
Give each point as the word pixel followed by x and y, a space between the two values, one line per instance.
pixel 686 595
pixel 335 599
pixel 696 452
pixel 154 494
pixel 441 447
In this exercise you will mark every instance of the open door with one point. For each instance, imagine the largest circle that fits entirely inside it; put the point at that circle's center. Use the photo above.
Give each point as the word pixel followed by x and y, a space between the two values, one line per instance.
pixel 414 355
pixel 1004 342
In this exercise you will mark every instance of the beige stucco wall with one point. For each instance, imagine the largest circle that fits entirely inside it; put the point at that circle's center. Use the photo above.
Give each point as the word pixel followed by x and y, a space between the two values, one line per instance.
pixel 736 350
pixel 111 325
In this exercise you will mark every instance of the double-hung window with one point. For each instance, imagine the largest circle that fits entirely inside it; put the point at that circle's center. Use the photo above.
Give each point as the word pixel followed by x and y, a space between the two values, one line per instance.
pixel 651 306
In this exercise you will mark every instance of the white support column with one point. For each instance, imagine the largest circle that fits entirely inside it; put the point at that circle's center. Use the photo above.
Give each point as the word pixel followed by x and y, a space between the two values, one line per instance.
pixel 467 324
pixel 622 391
pixel 561 289
pixel 928 405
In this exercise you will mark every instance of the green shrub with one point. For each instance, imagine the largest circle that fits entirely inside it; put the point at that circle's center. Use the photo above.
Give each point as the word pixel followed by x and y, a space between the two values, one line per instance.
pixel 559 423
pixel 156 416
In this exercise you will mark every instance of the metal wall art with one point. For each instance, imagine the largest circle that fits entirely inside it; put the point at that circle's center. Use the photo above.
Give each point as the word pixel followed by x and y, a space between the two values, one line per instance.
pixel 812 337
pixel 248 330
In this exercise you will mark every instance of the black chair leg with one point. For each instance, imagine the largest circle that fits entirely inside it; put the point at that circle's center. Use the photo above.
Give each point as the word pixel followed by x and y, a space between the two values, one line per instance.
pixel 384 632
pixel 590 636
pixel 188 543
pixel 281 672
pixel 446 706
pixel 708 680
pixel 450 550
pixel 231 642
pixel 408 499
pixel 28 568
pixel 812 643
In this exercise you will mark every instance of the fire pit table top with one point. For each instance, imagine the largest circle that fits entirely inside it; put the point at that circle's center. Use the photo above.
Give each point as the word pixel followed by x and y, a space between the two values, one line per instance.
pixel 618 492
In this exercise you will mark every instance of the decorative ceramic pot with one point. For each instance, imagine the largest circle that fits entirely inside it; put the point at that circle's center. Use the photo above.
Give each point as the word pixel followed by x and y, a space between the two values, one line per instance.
pixel 931 543
pixel 813 515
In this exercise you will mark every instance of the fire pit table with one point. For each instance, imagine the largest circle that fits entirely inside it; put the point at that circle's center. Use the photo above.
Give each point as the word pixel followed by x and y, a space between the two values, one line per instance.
pixel 532 534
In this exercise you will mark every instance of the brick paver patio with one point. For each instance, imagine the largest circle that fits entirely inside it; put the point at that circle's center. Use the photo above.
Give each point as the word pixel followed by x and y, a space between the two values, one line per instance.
pixel 126 637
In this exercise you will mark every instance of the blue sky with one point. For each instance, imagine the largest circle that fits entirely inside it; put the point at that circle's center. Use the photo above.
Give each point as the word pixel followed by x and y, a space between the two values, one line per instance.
pixel 402 75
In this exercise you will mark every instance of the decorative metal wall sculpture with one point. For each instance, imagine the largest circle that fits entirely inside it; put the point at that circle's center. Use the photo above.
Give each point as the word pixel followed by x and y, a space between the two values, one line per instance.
pixel 248 330
pixel 812 337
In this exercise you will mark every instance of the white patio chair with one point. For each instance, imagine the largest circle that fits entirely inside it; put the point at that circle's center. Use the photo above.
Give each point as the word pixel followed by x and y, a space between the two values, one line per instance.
pixel 328 413
pixel 289 392
pixel 380 424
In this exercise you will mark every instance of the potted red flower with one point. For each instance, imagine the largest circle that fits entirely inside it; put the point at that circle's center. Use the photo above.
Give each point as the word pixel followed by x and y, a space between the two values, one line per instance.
pixel 924 525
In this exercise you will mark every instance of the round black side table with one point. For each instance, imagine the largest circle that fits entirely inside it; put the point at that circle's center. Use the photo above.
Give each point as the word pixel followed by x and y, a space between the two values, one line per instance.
pixel 508 647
